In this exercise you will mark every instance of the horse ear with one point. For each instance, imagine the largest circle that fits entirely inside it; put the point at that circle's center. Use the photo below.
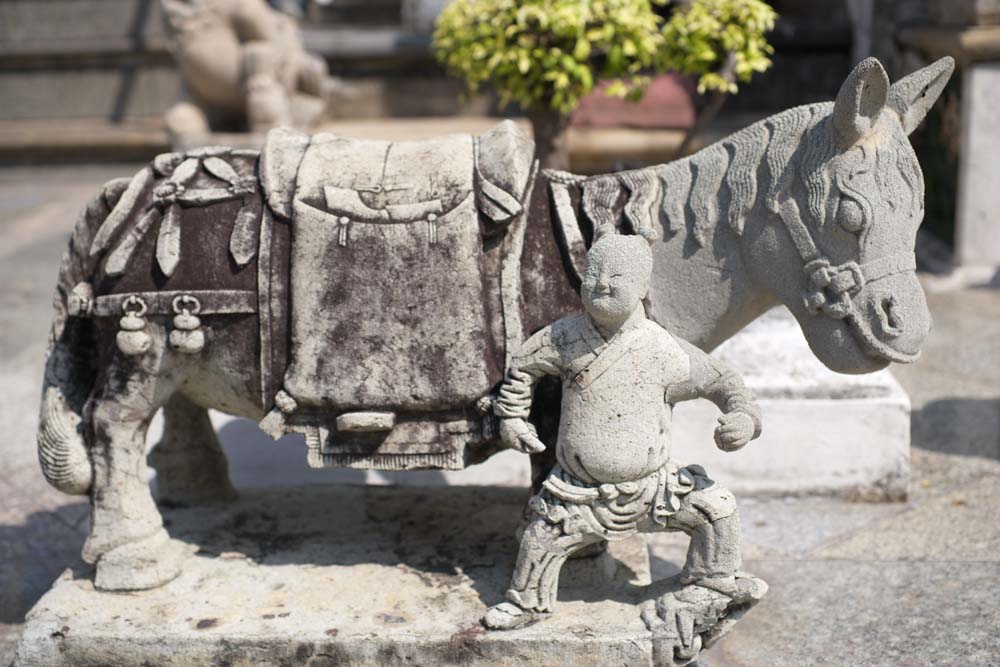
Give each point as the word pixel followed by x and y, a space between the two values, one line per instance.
pixel 860 101
pixel 914 95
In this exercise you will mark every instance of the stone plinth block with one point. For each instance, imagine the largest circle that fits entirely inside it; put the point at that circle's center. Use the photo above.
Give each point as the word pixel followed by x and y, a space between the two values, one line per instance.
pixel 328 575
pixel 824 432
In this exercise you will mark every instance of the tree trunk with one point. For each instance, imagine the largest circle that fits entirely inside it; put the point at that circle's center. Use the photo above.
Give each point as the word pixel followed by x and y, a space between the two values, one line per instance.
pixel 549 128
pixel 704 119
pixel 711 110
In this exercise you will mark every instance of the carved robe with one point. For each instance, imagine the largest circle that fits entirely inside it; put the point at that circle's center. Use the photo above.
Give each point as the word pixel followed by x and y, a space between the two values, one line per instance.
pixel 618 394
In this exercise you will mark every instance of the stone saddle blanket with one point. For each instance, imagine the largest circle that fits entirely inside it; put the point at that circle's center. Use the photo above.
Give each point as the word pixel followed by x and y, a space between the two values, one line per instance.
pixel 395 268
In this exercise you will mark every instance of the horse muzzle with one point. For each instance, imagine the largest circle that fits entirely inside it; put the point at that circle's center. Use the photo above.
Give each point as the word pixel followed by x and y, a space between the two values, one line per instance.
pixel 892 320
pixel 881 300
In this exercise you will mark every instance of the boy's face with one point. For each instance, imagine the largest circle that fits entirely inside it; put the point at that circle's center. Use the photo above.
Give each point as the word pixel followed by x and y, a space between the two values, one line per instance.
pixel 616 280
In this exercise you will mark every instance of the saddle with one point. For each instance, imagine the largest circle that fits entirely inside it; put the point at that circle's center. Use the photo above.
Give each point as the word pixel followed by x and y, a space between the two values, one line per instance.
pixel 397 295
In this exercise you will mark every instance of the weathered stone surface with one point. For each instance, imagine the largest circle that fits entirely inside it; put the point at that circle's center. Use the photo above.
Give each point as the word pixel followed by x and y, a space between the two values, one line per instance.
pixel 345 576
pixel 825 433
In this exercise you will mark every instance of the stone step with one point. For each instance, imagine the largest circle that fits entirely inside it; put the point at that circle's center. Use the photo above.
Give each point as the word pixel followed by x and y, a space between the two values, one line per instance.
pixel 592 149
pixel 357 12
pixel 41 141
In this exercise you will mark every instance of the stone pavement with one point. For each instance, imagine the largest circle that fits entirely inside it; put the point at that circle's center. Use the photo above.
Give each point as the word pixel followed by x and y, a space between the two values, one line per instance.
pixel 912 584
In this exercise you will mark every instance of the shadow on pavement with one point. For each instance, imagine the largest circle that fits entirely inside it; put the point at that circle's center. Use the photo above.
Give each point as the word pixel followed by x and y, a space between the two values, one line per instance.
pixel 962 426
pixel 35 552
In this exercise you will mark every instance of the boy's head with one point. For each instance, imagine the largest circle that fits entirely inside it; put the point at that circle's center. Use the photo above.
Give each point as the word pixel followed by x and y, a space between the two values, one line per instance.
pixel 617 277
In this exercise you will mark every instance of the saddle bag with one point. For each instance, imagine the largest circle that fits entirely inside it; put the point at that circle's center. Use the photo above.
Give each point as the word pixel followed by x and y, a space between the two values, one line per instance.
pixel 399 302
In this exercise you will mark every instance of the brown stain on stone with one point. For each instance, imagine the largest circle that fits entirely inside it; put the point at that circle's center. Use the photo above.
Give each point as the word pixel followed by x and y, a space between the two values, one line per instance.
pixel 463 643
pixel 206 623
pixel 60 633
pixel 391 619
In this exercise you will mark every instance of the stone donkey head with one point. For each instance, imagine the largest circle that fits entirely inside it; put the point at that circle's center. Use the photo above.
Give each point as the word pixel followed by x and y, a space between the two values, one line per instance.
pixel 824 201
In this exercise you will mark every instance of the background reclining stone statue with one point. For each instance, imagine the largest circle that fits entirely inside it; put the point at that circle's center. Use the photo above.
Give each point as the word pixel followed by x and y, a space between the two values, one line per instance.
pixel 244 69
pixel 174 292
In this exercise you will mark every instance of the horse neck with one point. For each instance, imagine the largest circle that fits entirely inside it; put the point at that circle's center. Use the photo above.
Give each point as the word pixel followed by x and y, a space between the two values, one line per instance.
pixel 707 293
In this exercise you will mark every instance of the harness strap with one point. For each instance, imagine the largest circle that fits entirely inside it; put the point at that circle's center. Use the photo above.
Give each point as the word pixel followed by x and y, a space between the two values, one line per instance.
pixel 788 211
pixel 829 288
pixel 569 228
pixel 890 265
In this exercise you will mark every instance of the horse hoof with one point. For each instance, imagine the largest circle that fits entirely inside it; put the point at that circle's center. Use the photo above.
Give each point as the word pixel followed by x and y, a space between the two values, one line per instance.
pixel 137 566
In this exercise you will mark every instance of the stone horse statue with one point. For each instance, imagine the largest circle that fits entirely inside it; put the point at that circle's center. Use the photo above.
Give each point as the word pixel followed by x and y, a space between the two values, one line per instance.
pixel 369 294
pixel 244 68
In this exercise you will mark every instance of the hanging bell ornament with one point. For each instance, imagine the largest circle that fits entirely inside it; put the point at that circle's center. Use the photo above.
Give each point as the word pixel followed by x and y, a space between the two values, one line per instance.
pixel 133 339
pixel 187 336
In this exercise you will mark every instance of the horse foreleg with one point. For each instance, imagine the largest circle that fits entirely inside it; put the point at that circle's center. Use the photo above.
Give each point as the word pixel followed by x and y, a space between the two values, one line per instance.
pixel 190 465
pixel 127 542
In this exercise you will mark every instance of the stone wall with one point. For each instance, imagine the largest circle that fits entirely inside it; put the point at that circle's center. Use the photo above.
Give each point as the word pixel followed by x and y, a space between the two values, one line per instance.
pixel 964 12
pixel 84 59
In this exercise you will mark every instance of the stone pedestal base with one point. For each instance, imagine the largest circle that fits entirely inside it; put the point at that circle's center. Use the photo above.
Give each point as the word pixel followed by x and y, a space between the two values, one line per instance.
pixel 346 576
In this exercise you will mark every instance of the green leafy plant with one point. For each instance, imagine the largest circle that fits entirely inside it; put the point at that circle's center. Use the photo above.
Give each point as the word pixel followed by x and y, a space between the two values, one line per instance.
pixel 547 55
pixel 720 41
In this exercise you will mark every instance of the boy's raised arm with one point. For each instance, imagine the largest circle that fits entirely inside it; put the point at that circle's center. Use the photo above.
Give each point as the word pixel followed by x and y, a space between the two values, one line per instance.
pixel 712 379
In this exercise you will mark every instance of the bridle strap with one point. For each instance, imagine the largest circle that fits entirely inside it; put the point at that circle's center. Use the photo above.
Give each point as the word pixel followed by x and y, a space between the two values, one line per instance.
pixel 889 265
pixel 830 288
pixel 788 211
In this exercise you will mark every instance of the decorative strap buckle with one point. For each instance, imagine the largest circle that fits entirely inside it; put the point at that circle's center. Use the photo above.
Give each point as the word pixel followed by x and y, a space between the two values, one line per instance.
pixel 136 302
pixel 186 303
pixel 829 289
pixel 168 192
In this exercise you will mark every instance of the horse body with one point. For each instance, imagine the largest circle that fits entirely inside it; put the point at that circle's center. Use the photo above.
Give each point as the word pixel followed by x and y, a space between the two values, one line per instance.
pixel 815 208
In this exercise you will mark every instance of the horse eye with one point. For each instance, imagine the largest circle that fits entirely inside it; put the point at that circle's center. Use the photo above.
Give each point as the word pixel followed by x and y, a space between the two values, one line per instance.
pixel 850 216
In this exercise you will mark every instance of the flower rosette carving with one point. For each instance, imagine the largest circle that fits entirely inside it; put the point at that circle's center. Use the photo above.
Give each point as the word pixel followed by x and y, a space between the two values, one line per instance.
pixel 175 193
pixel 830 288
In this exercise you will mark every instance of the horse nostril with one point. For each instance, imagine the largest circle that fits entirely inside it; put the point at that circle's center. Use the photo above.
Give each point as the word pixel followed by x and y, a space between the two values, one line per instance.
pixel 892 323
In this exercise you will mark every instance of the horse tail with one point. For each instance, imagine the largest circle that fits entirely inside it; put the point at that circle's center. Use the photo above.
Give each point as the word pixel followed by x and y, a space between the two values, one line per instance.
pixel 71 359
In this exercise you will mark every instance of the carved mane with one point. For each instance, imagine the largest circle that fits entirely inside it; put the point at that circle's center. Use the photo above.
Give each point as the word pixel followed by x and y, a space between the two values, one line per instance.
pixel 725 179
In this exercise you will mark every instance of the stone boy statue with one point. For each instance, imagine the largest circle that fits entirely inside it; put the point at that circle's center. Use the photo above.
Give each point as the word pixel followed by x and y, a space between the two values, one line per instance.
pixel 621 374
